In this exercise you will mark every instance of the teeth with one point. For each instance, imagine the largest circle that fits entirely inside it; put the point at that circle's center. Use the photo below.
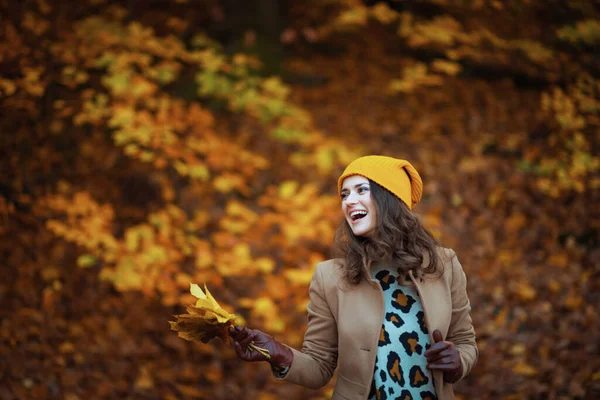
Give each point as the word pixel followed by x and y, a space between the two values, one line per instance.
pixel 356 213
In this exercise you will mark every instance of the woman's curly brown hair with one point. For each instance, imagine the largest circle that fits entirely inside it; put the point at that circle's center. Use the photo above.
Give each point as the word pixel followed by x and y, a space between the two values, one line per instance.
pixel 399 237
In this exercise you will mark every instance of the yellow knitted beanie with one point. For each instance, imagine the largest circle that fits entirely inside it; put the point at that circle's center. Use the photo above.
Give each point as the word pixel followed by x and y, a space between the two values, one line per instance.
pixel 397 176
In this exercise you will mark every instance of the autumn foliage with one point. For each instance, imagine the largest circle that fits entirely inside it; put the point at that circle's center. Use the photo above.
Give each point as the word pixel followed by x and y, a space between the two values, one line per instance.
pixel 151 144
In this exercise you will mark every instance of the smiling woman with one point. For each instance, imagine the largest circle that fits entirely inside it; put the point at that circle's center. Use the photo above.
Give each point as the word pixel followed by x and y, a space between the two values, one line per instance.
pixel 395 187
pixel 412 336
pixel 357 205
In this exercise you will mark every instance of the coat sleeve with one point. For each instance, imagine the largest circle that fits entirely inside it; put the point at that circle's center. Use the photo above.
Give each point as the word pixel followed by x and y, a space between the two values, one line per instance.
pixel 461 331
pixel 313 367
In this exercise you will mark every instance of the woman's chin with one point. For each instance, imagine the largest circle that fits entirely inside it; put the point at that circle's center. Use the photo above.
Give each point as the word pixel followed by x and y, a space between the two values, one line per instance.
pixel 361 232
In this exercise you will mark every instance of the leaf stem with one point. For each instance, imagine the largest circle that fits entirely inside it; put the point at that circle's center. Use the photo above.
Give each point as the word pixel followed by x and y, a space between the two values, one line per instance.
pixel 262 351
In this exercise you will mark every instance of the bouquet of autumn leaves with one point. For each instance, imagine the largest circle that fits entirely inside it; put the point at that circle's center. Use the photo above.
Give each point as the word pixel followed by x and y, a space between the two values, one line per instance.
pixel 206 320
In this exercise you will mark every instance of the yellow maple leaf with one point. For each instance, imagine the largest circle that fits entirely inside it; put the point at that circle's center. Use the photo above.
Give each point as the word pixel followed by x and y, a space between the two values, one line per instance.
pixel 206 320
pixel 207 303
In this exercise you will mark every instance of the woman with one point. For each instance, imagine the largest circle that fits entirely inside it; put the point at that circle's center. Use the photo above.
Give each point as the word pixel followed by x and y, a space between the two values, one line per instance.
pixel 392 310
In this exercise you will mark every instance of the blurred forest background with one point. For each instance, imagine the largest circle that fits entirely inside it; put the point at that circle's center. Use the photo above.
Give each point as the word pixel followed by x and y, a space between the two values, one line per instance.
pixel 150 143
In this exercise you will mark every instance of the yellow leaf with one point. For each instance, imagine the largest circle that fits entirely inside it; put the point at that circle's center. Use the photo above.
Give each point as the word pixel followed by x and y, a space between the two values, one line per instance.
pixel 199 171
pixel 573 301
pixel 122 116
pixel 203 318
pixel 50 273
pixel 266 309
pixel 517 349
pixel 559 260
pixel 214 375
pixel 383 13
pixel 196 291
pixel 86 260
pixel 505 257
pixel 204 259
pixel 353 16
pixel 287 189
pixel 190 391
pixel 155 254
pixel 126 276
pixel 66 347
pixel 234 226
pixel 132 240
pixel 242 252
pixel 525 291
pixel 144 380
pixel 447 67
pixel 265 306
pixel 324 160
pixel 7 87
pixel 299 277
pixel 264 264
pixel 211 298
pixel 246 302
pixel 554 285
pixel 226 183
pixel 522 368
pixel 500 319
pixel 267 396
pixel 515 223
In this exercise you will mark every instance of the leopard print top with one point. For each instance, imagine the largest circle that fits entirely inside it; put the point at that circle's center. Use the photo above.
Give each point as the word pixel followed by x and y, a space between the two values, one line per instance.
pixel 401 367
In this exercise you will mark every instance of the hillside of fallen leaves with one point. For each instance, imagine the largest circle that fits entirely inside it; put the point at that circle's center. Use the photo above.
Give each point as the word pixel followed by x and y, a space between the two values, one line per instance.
pixel 150 144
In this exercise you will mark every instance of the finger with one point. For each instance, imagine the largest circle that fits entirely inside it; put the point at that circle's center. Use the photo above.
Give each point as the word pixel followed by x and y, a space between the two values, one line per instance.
pixel 439 346
pixel 436 348
pixel 437 336
pixel 442 367
pixel 241 335
pixel 444 360
pixel 448 352
pixel 238 350
pixel 434 358
pixel 232 332
pixel 246 342
pixel 246 339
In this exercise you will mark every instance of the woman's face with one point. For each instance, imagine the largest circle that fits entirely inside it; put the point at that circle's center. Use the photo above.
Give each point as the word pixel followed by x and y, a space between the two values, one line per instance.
pixel 358 206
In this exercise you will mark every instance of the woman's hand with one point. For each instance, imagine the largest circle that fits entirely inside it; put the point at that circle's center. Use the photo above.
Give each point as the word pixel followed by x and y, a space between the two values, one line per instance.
pixel 444 356
pixel 280 355
pixel 212 333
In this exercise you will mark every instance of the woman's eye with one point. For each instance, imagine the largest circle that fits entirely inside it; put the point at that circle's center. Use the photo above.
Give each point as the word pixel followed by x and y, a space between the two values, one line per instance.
pixel 343 196
pixel 363 189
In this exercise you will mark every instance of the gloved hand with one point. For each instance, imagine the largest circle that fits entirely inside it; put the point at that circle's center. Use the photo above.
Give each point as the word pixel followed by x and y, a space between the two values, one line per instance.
pixel 280 355
pixel 444 356
pixel 213 333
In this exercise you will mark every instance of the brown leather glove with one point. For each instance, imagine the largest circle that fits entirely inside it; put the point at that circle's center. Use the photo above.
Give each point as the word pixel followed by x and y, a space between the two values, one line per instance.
pixel 212 333
pixel 280 355
pixel 444 356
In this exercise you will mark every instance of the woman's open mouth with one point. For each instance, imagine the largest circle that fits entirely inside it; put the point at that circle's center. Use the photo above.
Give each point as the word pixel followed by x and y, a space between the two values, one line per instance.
pixel 357 215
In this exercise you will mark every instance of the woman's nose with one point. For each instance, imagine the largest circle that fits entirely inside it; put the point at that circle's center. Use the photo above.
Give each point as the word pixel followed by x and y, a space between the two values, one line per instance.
pixel 351 199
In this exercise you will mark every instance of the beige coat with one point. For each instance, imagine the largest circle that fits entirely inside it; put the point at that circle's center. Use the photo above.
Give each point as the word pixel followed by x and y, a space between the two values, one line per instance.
pixel 344 323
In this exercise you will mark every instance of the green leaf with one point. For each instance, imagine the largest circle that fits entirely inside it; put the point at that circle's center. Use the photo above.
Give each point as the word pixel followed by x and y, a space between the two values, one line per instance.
pixel 199 171
pixel 86 261
pixel 105 60
pixel 118 82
